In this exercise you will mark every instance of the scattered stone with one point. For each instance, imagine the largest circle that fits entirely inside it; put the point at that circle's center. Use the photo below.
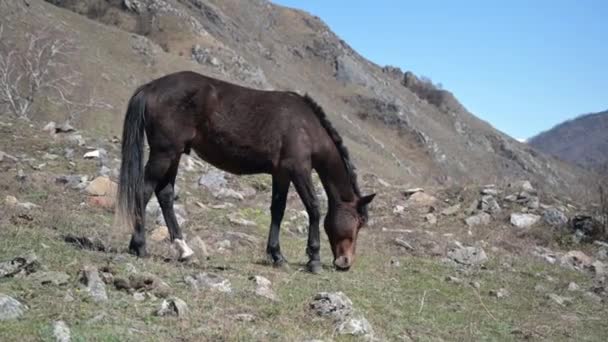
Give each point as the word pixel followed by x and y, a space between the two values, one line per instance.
pixel 223 245
pixel 598 268
pixel 412 191
pixel 454 280
pixel 160 233
pixel 50 156
pixel 13 202
pixel 489 192
pixel 26 264
pixel 479 219
pixel 451 210
pixel 554 217
pixel 420 200
pixel 146 282
pixel 10 308
pixel 213 180
pixel 523 220
pixel 395 262
pixel 50 127
pixel 61 331
pixel 95 286
pixel 475 284
pixel 76 182
pixel 540 288
pixel 489 204
pixel 467 255
pixel 139 296
pixel 83 242
pixel 563 301
pixel 523 186
pixel 340 308
pixel 76 139
pixel 65 128
pixel 6 156
pixel 199 246
pixel 234 219
pixel 431 219
pixel 173 307
pixel 243 238
pixel 96 154
pixel 402 243
pixel 210 281
pixel 262 288
pixel 228 193
pixel 50 278
pixel 398 209
pixel 356 326
pixel 102 186
pixel 244 317
pixel 573 286
pixel 332 304
pixel 593 297
pixel 575 260
pixel 500 293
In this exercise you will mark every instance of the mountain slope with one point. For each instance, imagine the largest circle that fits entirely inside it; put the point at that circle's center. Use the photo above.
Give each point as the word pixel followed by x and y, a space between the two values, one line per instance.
pixel 399 127
pixel 582 141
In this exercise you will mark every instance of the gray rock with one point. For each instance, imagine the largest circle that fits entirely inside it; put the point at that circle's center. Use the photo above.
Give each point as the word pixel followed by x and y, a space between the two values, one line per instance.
pixel 554 217
pixel 263 288
pixel 61 331
pixel 339 308
pixel 431 218
pixel 479 219
pixel 10 308
pixel 332 304
pixel 348 70
pixel 598 268
pixel 26 264
pixel 213 180
pixel 500 293
pixel 228 194
pixel 76 182
pixel 402 243
pixel 559 299
pixel 6 156
pixel 199 246
pixel 573 286
pixel 94 285
pixel 239 221
pixel 64 128
pixel 76 139
pixel 489 192
pixel 489 204
pixel 593 297
pixel 173 307
pixel 451 210
pixel 521 220
pixel 209 281
pixel 467 255
pixel 244 317
pixel 356 326
pixel 50 278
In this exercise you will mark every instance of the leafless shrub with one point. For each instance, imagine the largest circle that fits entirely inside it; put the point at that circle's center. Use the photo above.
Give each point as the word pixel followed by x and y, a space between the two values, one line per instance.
pixel 36 65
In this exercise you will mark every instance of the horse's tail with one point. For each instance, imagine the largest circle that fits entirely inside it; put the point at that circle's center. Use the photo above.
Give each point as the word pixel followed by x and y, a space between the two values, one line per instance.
pixel 130 201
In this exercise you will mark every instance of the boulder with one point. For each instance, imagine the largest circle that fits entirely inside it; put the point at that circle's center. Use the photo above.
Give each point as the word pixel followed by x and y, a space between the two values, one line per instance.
pixel 467 255
pixel 10 308
pixel 554 217
pixel 521 220
pixel 479 219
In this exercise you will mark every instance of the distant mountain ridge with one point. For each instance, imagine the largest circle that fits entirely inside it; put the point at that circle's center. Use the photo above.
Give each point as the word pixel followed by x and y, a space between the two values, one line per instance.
pixel 582 141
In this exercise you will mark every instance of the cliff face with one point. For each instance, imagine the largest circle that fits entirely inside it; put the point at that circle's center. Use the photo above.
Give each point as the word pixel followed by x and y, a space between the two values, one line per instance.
pixel 398 126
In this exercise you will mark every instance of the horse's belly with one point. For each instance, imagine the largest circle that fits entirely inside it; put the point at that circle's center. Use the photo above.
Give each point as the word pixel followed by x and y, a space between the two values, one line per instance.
pixel 235 159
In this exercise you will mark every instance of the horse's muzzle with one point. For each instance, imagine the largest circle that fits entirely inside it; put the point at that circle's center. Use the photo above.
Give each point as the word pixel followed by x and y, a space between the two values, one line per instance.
pixel 342 263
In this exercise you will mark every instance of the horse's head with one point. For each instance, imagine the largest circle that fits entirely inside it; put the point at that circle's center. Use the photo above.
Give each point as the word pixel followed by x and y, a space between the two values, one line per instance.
pixel 342 225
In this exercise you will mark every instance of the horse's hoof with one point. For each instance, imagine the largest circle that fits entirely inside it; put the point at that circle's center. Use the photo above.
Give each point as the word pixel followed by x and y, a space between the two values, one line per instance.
pixel 139 251
pixel 185 252
pixel 314 267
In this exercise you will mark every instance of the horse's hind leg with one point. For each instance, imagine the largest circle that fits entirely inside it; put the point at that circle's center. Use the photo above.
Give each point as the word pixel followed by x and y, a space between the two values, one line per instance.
pixel 165 194
pixel 302 181
pixel 280 187
pixel 137 245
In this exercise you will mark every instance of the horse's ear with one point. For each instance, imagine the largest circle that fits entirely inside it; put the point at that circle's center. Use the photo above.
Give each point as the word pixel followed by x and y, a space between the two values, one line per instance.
pixel 365 200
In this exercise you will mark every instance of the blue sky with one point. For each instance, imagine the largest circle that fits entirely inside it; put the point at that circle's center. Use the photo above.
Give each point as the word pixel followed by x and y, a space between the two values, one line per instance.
pixel 523 66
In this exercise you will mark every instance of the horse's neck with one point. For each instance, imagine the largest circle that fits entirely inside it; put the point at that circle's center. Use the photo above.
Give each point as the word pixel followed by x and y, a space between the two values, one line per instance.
pixel 337 182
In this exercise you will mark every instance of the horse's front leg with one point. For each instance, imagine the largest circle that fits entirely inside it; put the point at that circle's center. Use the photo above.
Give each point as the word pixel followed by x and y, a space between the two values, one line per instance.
pixel 303 184
pixel 280 188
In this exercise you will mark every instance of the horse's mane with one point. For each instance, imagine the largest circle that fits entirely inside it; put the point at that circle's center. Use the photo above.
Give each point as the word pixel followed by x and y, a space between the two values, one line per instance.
pixel 337 139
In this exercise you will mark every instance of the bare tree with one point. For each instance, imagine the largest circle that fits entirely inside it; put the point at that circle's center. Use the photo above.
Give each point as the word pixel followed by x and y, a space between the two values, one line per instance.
pixel 38 63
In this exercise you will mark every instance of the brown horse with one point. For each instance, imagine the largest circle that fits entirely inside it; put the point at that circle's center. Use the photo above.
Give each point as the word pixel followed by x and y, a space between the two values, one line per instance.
pixel 241 131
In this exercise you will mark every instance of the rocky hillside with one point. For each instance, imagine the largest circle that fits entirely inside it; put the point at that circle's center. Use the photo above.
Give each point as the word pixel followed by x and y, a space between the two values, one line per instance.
pixel 434 264
pixel 582 141
pixel 398 126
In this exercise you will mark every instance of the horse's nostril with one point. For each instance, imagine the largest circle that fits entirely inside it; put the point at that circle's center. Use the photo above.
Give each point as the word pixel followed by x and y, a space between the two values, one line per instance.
pixel 342 263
